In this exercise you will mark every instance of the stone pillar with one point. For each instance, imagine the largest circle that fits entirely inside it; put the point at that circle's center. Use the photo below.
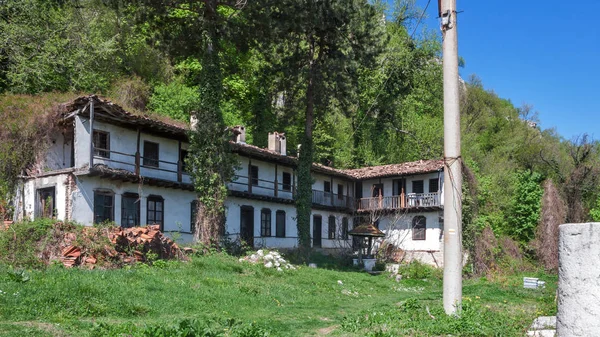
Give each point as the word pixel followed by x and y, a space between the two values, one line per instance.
pixel 579 280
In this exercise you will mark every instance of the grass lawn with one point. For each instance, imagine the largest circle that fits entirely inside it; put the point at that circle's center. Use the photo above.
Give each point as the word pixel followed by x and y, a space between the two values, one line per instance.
pixel 217 295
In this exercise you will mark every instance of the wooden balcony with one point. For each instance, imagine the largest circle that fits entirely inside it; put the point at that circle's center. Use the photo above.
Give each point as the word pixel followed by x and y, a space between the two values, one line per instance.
pixel 265 189
pixel 399 202
pixel 332 200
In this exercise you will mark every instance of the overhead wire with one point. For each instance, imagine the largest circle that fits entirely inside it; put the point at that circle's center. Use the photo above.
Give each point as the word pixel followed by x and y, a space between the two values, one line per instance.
pixel 388 77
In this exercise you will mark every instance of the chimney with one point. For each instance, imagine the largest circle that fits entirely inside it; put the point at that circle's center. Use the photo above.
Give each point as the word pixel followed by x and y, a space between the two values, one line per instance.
pixel 277 143
pixel 193 120
pixel 239 132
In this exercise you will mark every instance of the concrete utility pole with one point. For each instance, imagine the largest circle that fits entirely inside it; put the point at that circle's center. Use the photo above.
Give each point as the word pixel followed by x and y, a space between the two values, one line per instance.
pixel 452 163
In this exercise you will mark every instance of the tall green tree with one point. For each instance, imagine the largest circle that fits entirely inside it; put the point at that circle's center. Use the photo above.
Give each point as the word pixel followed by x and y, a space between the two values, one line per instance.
pixel 203 29
pixel 320 47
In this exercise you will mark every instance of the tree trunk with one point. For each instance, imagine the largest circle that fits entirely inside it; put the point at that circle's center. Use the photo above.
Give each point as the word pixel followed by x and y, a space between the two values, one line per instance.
pixel 304 200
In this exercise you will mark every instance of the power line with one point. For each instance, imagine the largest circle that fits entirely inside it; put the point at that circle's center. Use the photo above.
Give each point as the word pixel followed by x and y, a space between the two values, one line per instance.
pixel 389 76
pixel 420 18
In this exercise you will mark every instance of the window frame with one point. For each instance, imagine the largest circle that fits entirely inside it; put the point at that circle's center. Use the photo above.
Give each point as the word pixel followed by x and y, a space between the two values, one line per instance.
pixel 326 186
pixel 419 234
pixel 435 182
pixel 280 226
pixel 100 151
pixel 104 194
pixel 155 199
pixel 345 227
pixel 286 186
pixel 147 160
pixel 417 182
pixel 130 195
pixel 340 191
pixel 253 175
pixel 265 222
pixel 183 154
pixel 331 227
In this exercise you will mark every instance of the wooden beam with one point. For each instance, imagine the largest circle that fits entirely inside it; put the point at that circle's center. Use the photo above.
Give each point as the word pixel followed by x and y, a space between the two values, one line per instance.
pixel 91 132
pixel 250 175
pixel 179 164
pixel 276 187
pixel 137 154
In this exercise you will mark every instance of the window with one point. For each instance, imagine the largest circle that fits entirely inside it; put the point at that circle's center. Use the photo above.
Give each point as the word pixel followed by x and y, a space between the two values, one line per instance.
pixel 331 228
pixel 194 214
pixel 340 191
pixel 155 211
pixel 101 144
pixel 327 186
pixel 103 206
pixel 280 224
pixel 377 190
pixel 150 154
pixel 254 175
pixel 433 185
pixel 344 228
pixel 265 222
pixel 183 154
pixel 46 207
pixel 287 181
pixel 417 186
pixel 419 226
pixel 130 210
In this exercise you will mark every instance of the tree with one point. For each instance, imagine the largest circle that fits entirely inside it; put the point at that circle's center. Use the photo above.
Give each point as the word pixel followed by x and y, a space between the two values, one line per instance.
pixel 320 46
pixel 202 29
pixel 526 205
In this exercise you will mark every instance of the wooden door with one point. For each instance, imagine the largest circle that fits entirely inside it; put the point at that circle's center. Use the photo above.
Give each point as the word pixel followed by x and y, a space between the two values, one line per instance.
pixel 317 230
pixel 46 204
pixel 247 225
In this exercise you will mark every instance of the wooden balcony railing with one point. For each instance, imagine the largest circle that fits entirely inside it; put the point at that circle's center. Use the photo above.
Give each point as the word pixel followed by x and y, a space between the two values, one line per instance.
pixel 133 163
pixel 410 200
pixel 271 188
pixel 332 199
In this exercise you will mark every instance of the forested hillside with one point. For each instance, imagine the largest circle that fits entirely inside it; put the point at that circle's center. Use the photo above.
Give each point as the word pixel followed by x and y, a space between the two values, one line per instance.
pixel 354 82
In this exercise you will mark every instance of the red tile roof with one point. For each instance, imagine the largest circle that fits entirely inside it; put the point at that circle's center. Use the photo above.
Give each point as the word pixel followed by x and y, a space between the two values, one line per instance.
pixel 415 167
pixel 109 111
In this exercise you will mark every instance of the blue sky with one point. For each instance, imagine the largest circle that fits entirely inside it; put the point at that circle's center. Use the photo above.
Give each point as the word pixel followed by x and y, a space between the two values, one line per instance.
pixel 543 53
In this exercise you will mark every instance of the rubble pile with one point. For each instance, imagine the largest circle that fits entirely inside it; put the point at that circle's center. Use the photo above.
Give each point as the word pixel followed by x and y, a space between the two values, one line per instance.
pixel 115 246
pixel 270 259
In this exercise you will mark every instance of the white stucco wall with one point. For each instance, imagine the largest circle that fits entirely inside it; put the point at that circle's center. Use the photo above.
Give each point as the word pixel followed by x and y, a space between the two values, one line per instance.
pixel 398 229
pixel 177 203
pixel 30 188
pixel 82 141
pixel 233 209
pixel 58 155
pixel 266 176
pixel 125 141
pixel 388 183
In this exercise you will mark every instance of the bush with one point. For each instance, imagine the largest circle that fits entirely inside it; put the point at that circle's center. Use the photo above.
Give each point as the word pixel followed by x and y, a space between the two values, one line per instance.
pixel 21 244
pixel 416 270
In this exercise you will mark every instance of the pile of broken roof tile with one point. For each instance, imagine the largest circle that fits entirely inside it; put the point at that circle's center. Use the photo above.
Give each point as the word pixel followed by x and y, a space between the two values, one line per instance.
pixel 124 246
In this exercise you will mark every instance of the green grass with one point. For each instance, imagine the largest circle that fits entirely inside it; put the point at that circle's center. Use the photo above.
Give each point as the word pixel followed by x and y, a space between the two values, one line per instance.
pixel 217 295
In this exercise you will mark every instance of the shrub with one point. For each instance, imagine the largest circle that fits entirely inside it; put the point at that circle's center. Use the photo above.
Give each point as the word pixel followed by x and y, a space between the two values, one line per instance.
pixel 21 244
pixel 416 270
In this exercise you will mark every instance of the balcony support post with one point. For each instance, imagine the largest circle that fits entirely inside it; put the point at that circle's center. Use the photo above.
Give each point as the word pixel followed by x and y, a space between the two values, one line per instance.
pixel 250 175
pixel 275 183
pixel 91 133
pixel 179 163
pixel 137 154
pixel 331 194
